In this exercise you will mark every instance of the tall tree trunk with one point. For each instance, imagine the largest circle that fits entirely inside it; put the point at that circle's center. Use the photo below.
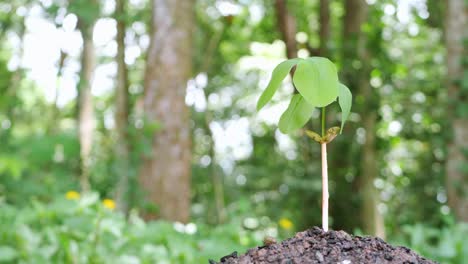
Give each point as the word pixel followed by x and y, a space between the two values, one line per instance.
pixel 324 31
pixel 121 112
pixel 85 103
pixel 372 219
pixel 457 177
pixel 166 175
pixel 287 26
pixel 355 43
pixel 355 15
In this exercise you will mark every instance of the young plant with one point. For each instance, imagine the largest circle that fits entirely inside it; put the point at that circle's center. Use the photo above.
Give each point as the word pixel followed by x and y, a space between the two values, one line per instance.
pixel 316 80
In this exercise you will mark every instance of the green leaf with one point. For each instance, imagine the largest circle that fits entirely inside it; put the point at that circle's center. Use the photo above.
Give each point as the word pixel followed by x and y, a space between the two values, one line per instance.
pixel 316 79
pixel 279 73
pixel 345 99
pixel 296 115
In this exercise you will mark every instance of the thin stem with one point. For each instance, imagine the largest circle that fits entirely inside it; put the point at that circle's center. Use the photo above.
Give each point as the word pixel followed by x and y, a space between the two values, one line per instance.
pixel 97 231
pixel 323 121
pixel 324 177
pixel 324 188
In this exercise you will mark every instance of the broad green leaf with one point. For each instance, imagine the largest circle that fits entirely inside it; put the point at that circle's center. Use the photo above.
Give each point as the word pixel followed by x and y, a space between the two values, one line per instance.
pixel 316 79
pixel 345 99
pixel 296 115
pixel 278 75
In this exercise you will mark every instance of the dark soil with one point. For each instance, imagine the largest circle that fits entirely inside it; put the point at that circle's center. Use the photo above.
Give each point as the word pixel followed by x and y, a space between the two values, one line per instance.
pixel 317 246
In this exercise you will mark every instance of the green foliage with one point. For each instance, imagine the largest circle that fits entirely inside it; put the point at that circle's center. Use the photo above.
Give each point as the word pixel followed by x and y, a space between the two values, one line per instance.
pixel 87 230
pixel 316 80
pixel 447 245
pixel 274 179
pixel 22 180
pixel 345 99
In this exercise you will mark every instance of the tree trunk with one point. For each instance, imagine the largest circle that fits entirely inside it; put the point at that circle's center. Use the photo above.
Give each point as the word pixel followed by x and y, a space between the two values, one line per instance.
pixel 457 176
pixel 121 112
pixel 287 26
pixel 356 14
pixel 166 175
pixel 372 220
pixel 324 31
pixel 85 103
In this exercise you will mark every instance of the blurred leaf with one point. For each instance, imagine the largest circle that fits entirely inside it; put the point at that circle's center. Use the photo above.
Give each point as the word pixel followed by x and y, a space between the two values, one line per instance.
pixel 128 259
pixel 155 252
pixel 112 226
pixel 151 127
pixel 345 99
pixel 88 199
pixel 12 166
pixel 79 226
pixel 447 247
pixel 7 253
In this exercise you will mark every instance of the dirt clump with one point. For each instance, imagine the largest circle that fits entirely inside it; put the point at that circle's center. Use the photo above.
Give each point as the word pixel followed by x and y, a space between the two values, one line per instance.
pixel 316 246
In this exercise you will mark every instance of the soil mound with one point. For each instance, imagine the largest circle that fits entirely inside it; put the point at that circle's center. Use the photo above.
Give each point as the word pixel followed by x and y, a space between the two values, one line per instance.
pixel 316 246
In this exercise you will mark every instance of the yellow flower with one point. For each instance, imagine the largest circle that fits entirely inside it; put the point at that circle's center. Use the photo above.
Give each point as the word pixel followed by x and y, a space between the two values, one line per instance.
pixel 285 223
pixel 72 195
pixel 108 203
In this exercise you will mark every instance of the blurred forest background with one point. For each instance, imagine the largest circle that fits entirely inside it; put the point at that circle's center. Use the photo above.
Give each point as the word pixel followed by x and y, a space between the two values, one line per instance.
pixel 115 111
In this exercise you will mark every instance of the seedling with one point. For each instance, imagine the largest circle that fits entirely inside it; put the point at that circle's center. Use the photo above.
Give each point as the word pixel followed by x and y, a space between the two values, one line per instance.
pixel 316 80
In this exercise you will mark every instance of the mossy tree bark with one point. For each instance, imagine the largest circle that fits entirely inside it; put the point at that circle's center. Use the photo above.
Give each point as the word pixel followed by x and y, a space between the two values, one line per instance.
pixel 325 29
pixel 122 146
pixel 165 177
pixel 287 26
pixel 86 120
pixel 457 158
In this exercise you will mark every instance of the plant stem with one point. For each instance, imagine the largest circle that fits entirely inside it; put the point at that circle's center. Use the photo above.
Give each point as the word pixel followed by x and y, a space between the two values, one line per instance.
pixel 97 231
pixel 323 121
pixel 324 177
pixel 324 188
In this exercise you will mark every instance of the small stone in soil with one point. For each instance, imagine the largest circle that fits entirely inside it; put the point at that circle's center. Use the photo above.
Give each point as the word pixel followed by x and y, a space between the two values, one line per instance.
pixel 232 255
